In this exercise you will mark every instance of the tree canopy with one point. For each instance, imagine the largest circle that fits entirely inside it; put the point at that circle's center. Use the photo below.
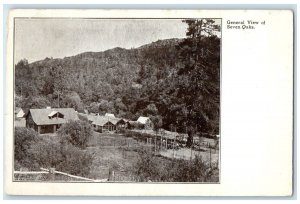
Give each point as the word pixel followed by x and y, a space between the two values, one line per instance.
pixel 176 80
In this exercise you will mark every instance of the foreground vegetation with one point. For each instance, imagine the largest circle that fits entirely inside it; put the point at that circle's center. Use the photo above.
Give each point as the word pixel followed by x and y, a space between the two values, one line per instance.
pixel 129 159
pixel 150 168
pixel 33 151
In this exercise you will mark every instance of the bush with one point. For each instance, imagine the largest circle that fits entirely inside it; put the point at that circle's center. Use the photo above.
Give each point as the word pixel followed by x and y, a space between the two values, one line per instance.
pixel 151 167
pixel 24 137
pixel 145 168
pixel 191 171
pixel 75 161
pixel 50 153
pixel 45 153
pixel 76 133
pixel 33 152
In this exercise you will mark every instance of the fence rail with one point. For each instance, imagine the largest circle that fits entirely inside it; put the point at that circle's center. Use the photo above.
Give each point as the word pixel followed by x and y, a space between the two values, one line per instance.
pixel 30 172
pixel 53 172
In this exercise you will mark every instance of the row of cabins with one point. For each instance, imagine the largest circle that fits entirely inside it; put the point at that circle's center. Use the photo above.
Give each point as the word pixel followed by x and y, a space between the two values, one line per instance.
pixel 48 120
pixel 109 123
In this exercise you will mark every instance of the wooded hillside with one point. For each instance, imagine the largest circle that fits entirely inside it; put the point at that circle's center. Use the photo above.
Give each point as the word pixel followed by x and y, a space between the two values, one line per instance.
pixel 175 81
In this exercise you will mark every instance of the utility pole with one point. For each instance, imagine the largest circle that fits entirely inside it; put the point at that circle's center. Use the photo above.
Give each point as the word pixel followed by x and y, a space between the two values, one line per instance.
pixel 155 142
pixel 191 152
pixel 160 141
pixel 58 99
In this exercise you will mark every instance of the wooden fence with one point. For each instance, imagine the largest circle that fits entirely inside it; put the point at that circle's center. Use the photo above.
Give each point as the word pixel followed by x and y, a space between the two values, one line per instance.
pixel 53 172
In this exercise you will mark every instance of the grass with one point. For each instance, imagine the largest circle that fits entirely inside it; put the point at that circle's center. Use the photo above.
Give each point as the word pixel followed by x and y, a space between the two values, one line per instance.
pixel 120 160
pixel 110 140
pixel 115 152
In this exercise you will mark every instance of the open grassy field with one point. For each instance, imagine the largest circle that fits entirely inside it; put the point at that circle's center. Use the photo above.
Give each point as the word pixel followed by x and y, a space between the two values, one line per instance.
pixel 119 153
pixel 113 152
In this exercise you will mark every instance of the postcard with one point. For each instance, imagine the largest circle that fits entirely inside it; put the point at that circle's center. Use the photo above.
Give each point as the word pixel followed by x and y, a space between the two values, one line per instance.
pixel 149 102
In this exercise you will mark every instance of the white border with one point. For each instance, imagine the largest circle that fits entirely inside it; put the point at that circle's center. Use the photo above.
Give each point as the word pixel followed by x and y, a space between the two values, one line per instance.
pixel 230 185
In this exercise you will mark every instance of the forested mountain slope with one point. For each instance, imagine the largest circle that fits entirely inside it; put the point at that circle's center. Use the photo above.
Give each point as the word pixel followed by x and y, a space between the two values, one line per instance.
pixel 175 81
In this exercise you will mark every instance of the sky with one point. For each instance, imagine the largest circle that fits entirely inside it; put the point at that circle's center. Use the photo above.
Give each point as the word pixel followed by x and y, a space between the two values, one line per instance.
pixel 36 39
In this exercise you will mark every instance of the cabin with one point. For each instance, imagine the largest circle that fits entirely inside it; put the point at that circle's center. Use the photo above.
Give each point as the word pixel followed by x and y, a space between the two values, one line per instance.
pixel 48 120
pixel 121 124
pixel 146 122
pixel 21 112
pixel 107 123
pixel 103 124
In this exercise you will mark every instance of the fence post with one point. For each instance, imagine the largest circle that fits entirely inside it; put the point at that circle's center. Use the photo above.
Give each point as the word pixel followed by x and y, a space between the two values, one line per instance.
pixel 166 143
pixel 209 156
pixel 155 144
pixel 111 174
pixel 52 173
pixel 191 152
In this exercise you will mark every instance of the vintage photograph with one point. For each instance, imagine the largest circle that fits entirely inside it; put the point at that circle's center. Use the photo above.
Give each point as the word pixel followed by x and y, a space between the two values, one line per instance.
pixel 117 100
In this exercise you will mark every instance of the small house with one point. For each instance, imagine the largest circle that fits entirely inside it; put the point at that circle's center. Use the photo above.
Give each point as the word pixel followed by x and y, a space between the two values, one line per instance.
pixel 21 112
pixel 107 123
pixel 121 124
pixel 148 124
pixel 48 120
pixel 104 124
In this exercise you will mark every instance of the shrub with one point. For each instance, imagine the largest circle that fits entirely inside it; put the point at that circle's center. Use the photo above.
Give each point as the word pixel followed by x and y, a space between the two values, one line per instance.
pixel 33 152
pixel 24 137
pixel 50 153
pixel 83 117
pixel 151 167
pixel 145 168
pixel 75 161
pixel 190 171
pixel 45 153
pixel 76 133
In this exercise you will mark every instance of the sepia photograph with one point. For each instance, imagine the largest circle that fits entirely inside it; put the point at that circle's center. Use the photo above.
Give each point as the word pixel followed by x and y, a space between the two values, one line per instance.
pixel 117 100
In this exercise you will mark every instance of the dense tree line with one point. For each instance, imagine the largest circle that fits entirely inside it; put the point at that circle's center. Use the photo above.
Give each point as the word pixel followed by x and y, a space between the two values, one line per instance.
pixel 174 80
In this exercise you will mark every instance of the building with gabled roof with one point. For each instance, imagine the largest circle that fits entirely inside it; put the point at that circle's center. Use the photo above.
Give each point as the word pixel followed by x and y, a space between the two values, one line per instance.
pixel 106 123
pixel 48 120
pixel 21 112
pixel 148 124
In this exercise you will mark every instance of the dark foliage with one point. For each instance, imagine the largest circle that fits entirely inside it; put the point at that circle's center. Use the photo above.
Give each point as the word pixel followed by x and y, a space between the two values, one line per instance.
pixel 48 153
pixel 151 168
pixel 76 133
pixel 33 152
pixel 24 137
